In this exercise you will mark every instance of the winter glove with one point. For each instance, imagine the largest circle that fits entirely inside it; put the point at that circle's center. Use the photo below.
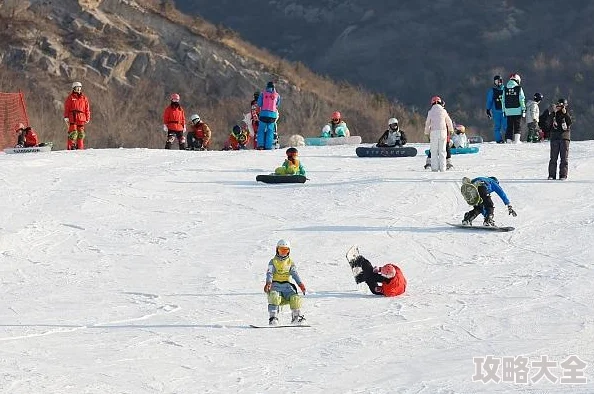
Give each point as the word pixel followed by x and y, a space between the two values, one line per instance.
pixel 67 120
pixel 379 289
pixel 267 287
pixel 165 129
pixel 489 115
pixel 511 211
pixel 523 114
pixel 302 287
pixel 376 270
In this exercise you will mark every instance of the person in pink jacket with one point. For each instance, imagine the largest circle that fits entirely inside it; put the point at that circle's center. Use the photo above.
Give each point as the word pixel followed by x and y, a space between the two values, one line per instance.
pixel 438 126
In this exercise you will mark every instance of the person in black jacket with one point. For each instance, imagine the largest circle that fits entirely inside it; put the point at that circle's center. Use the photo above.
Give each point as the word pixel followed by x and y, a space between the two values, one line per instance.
pixel 560 137
pixel 392 137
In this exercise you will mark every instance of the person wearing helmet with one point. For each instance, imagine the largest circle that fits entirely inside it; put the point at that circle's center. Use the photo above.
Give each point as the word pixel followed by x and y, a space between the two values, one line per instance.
pixel 268 101
pixel 292 165
pixel 255 116
pixel 238 138
pixel 459 138
pixel 26 136
pixel 337 127
pixel 387 280
pixel 559 140
pixel 199 134
pixel 495 111
pixel 394 136
pixel 438 126
pixel 77 113
pixel 513 103
pixel 477 192
pixel 532 115
pixel 174 122
pixel 279 288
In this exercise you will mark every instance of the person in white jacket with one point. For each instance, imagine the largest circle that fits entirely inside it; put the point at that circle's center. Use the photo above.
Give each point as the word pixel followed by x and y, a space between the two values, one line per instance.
pixel 437 126
pixel 532 116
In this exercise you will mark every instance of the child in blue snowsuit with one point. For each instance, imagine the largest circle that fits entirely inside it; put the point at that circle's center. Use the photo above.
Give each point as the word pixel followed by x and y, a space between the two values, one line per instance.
pixel 484 204
pixel 495 110
pixel 268 101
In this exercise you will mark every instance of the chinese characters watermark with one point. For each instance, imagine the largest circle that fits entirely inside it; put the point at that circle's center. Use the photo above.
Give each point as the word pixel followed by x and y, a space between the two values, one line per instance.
pixel 523 370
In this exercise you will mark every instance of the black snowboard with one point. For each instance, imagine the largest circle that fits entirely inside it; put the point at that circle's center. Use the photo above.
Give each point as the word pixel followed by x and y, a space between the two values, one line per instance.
pixel 486 228
pixel 281 178
pixel 397 151
pixel 282 326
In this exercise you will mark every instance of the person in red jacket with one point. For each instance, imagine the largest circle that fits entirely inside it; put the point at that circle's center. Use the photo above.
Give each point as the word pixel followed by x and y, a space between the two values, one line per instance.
pixel 27 137
pixel 77 113
pixel 255 114
pixel 174 123
pixel 387 280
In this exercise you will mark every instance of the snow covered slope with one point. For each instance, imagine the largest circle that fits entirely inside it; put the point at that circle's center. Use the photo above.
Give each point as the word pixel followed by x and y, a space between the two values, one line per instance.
pixel 139 271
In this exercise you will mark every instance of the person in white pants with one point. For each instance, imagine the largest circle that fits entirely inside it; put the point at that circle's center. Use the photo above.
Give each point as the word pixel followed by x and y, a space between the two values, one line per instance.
pixel 437 126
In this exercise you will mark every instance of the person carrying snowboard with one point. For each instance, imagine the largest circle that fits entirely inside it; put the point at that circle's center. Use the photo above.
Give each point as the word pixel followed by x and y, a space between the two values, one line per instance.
pixel 387 280
pixel 393 136
pixel 279 288
pixel 477 192
pixel 337 127
pixel 292 165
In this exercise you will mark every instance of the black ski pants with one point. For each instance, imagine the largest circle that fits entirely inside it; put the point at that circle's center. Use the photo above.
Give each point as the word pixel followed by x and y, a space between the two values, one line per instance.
pixel 559 148
pixel 513 126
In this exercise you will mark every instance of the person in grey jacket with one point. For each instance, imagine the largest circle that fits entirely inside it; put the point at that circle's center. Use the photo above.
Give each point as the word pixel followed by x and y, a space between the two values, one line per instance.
pixel 560 137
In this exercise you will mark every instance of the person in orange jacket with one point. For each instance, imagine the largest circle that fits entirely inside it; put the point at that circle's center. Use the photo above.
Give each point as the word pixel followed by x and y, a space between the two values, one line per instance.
pixel 27 137
pixel 238 139
pixel 199 134
pixel 77 113
pixel 387 280
pixel 174 123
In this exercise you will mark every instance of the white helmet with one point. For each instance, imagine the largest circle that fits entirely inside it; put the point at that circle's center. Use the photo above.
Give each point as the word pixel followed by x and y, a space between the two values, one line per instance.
pixel 194 118
pixel 516 77
pixel 283 244
pixel 76 85
pixel 392 121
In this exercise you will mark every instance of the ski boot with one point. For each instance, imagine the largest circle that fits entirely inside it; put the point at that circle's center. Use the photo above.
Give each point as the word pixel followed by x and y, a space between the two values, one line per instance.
pixel 489 222
pixel 273 321
pixel 428 163
pixel 297 319
pixel 468 218
pixel 449 164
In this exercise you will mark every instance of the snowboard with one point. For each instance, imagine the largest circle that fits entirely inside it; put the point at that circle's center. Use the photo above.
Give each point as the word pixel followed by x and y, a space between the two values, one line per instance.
pixel 352 255
pixel 460 151
pixel 475 139
pixel 486 228
pixel 281 326
pixel 34 149
pixel 321 141
pixel 397 151
pixel 272 178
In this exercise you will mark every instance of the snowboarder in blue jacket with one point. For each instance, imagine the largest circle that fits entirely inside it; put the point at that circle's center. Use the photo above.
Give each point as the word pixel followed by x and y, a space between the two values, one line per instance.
pixel 477 192
pixel 495 110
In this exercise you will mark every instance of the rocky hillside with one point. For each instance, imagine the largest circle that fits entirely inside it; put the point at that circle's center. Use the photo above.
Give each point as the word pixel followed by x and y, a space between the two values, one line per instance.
pixel 130 55
pixel 412 50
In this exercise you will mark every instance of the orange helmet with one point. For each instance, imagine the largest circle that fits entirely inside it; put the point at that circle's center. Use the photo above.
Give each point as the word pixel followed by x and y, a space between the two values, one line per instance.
pixel 436 100
pixel 174 98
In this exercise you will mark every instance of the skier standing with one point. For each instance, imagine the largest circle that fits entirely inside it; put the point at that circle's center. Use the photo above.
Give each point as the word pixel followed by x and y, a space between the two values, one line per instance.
pixel 174 123
pixel 477 192
pixel 532 115
pixel 278 286
pixel 560 137
pixel 495 111
pixel 513 103
pixel 268 101
pixel 438 126
pixel 77 114
pixel 255 117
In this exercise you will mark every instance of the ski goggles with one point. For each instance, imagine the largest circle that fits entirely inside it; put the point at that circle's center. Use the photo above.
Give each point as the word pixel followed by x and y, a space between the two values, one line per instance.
pixel 283 250
pixel 335 120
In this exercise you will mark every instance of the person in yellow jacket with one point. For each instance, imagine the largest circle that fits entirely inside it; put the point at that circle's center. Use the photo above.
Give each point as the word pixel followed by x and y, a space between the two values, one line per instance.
pixel 292 165
pixel 278 286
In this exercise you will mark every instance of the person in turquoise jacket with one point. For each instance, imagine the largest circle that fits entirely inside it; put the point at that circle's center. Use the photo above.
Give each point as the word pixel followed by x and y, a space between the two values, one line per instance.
pixel 477 192
pixel 292 165
pixel 513 103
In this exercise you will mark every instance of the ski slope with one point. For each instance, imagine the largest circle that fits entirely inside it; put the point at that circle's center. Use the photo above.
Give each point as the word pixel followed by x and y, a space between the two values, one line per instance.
pixel 139 271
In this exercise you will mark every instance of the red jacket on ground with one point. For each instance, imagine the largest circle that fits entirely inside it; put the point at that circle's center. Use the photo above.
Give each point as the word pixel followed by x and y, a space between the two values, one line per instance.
pixel 396 285
pixel 30 138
